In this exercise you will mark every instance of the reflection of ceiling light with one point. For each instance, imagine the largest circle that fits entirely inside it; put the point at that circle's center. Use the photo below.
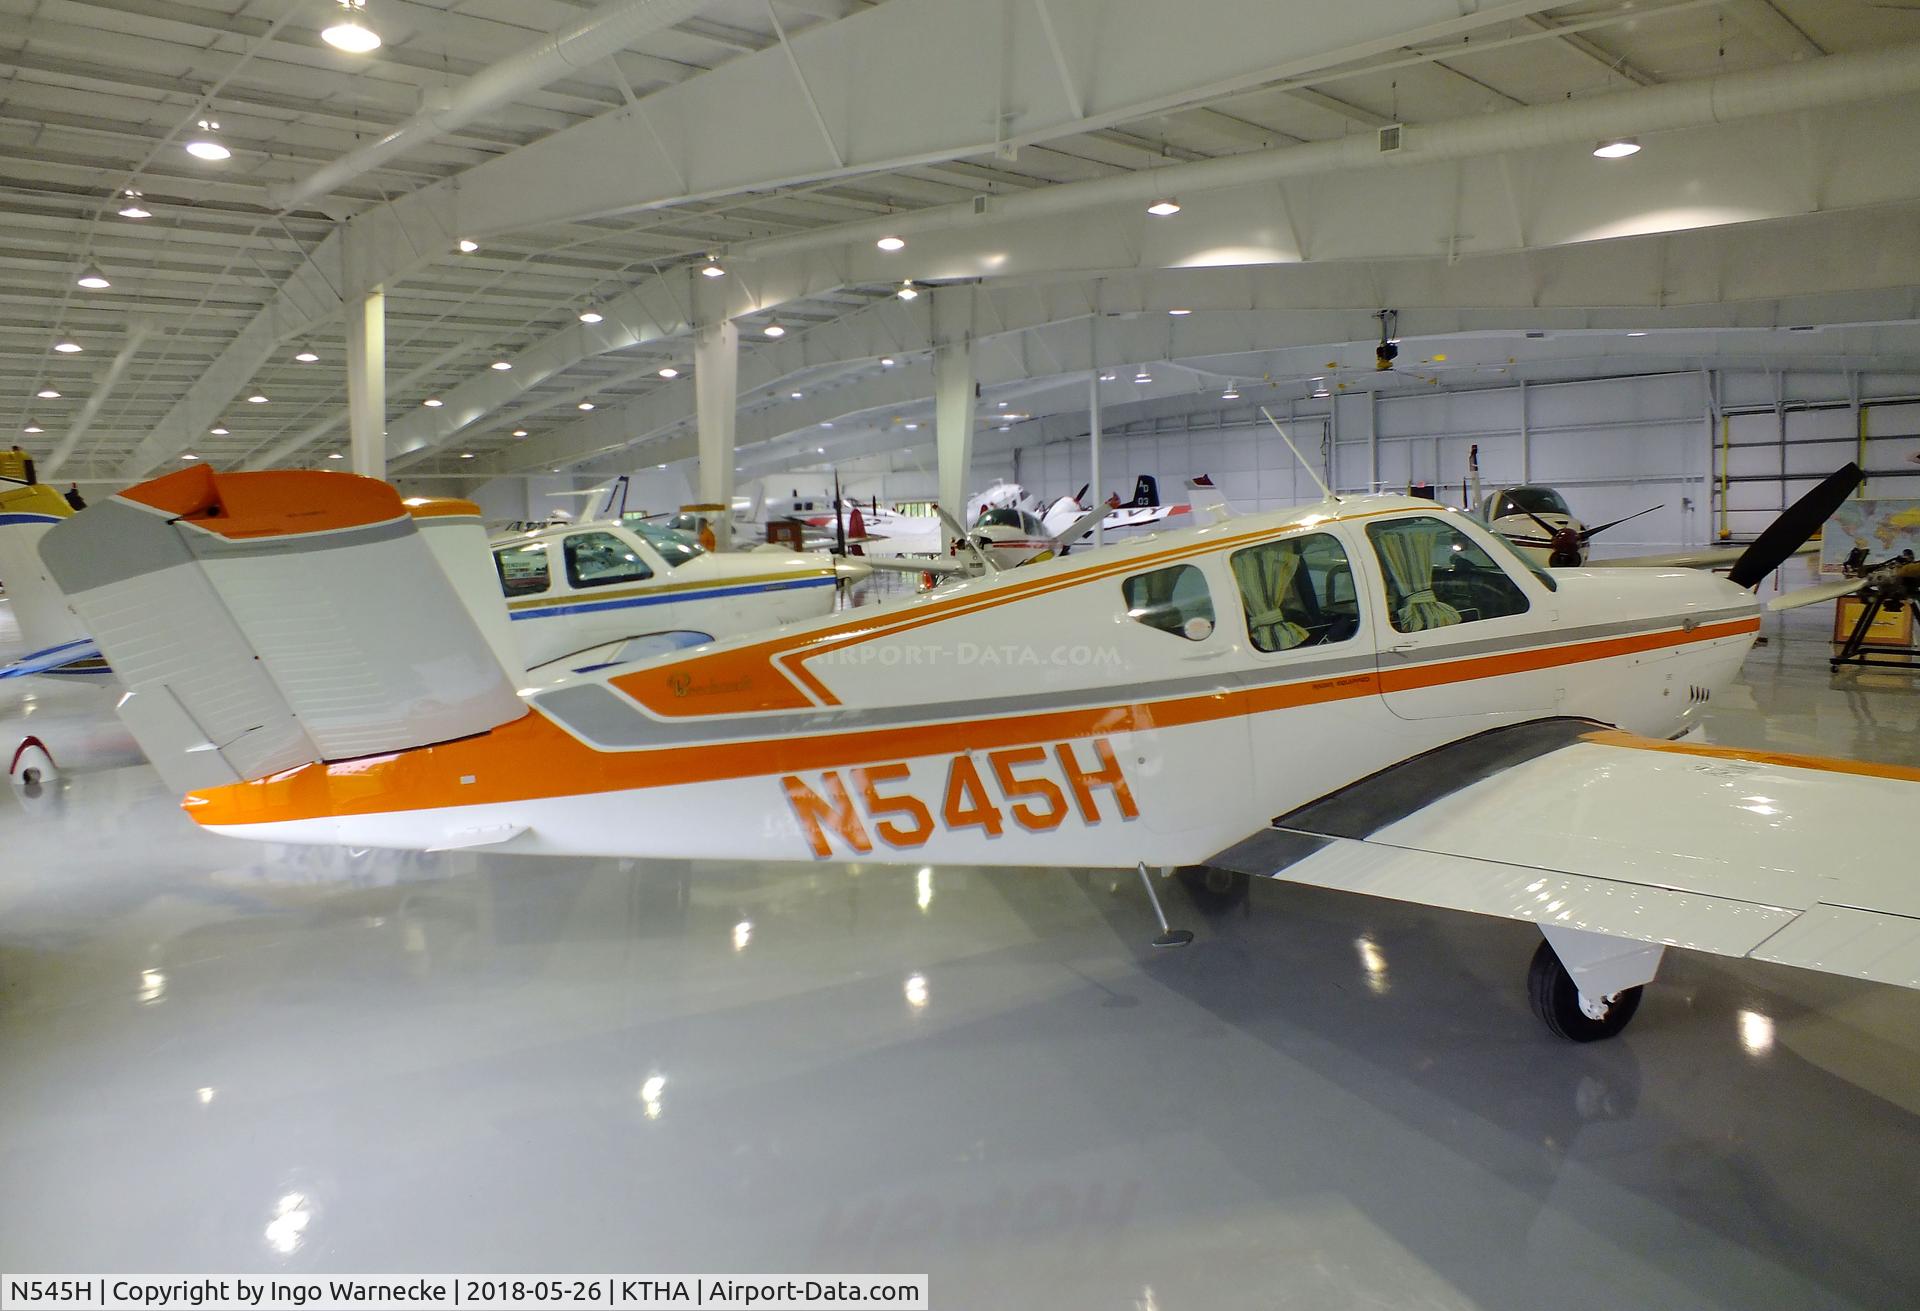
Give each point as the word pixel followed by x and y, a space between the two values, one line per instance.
pixel 891 244
pixel 907 290
pixel 258 398
pixel 590 316
pixel 433 402
pixel 500 366
pixel 468 246
pixel 348 32
pixel 586 405
pixel 218 432
pixel 93 279
pixel 1164 208
pixel 1618 149
pixel 307 355
pixel 67 347
pixel 206 145
pixel 712 269
pixel 668 371
pixel 48 394
pixel 775 330
pixel 519 432
pixel 1179 314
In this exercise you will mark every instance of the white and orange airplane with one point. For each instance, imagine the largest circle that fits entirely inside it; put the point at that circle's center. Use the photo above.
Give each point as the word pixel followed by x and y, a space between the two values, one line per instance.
pixel 1375 694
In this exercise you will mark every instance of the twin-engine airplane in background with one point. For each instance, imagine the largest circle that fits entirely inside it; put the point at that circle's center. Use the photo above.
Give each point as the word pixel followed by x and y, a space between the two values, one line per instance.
pixel 1375 694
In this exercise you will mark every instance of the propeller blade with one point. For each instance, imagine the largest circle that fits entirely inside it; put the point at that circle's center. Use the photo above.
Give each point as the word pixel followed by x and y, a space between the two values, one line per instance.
pixel 1816 594
pixel 1546 529
pixel 1795 526
pixel 1079 527
pixel 1080 497
pixel 839 518
pixel 1592 533
pixel 964 539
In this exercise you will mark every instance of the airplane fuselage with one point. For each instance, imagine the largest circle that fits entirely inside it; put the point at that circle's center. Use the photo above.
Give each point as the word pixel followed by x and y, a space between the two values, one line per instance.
pixel 1152 701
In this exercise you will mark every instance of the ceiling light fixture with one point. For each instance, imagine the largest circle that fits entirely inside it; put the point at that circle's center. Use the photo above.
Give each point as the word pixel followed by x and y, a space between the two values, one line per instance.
pixel 258 398
pixel 712 269
pixel 207 146
pixel 586 405
pixel 93 279
pixel 189 455
pixel 907 290
pixel 1109 377
pixel 48 394
pixel 1179 314
pixel 133 208
pixel 1164 208
pixel 1616 149
pixel 795 395
pixel 775 330
pixel 913 427
pixel 590 316
pixel 501 366
pixel 433 402
pixel 887 361
pixel 466 455
pixel 32 427
pixel 826 423
pixel 335 455
pixel 668 371
pixel 66 347
pixel 307 355
pixel 468 245
pixel 218 432
pixel 1232 393
pixel 1636 334
pixel 1143 376
pixel 891 244
pixel 519 432
pixel 349 32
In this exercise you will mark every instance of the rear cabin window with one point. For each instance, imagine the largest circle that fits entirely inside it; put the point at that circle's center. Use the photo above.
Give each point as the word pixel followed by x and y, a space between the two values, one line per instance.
pixel 1437 576
pixel 1174 600
pixel 523 569
pixel 600 559
pixel 1298 592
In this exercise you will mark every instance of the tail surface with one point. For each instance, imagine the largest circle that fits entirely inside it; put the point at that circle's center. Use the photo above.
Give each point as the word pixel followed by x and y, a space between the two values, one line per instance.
pixel 47 627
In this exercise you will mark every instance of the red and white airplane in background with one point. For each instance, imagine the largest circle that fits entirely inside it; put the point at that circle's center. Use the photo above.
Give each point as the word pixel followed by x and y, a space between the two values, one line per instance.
pixel 1375 694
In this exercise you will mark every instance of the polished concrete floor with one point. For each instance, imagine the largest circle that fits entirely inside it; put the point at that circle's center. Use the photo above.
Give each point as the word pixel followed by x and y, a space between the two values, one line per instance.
pixel 217 1056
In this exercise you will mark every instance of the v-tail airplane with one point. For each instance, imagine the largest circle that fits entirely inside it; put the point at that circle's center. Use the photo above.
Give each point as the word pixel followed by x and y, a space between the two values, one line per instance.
pixel 1375 694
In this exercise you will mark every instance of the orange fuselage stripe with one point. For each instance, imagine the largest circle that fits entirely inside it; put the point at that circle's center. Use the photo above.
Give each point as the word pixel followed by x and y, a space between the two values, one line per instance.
pixel 534 758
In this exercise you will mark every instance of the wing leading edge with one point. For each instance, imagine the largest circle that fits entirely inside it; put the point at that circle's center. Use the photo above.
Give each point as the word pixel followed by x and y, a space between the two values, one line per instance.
pixel 1571 825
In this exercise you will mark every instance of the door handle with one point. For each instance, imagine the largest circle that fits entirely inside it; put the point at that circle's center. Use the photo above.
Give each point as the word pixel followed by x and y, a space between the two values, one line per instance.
pixel 1404 648
pixel 1214 654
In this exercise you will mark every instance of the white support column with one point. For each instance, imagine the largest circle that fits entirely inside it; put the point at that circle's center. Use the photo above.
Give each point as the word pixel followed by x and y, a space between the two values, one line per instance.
pixel 367 383
pixel 1093 420
pixel 953 383
pixel 716 375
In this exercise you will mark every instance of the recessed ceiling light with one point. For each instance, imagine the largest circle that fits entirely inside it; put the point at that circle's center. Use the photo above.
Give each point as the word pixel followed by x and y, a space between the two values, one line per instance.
pixel 887 361
pixel 907 290
pixel 67 347
pixel 258 398
pixel 93 279
pixel 668 371
pixel 501 366
pixel 335 455
pixel 218 432
pixel 1164 208
pixel 349 31
pixel 586 405
pixel 775 330
pixel 826 423
pixel 433 402
pixel 1636 334
pixel 189 455
pixel 590 316
pixel 1179 314
pixel 466 455
pixel 519 432
pixel 1617 149
pixel 468 246
pixel 307 355
pixel 48 394
pixel 207 146
pixel 1108 377
pixel 891 244
pixel 819 450
pixel 913 427
pixel 795 395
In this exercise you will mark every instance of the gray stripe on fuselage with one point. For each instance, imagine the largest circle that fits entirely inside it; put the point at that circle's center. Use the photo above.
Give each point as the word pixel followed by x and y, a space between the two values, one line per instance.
pixel 604 718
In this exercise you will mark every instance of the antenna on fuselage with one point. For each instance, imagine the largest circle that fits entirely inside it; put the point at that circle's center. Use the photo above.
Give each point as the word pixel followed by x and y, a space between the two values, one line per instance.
pixel 1312 473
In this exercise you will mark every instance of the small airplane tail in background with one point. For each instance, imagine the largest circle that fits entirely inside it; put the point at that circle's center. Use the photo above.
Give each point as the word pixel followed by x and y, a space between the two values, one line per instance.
pixel 47 626
pixel 1146 495
pixel 265 621
pixel 607 501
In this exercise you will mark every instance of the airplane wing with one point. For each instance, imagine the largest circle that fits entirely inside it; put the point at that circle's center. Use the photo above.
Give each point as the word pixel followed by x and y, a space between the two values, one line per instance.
pixel 944 566
pixel 1709 557
pixel 1575 826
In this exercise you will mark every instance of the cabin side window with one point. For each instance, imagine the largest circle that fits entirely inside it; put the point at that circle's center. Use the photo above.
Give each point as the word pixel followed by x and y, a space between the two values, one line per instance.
pixel 523 569
pixel 1174 600
pixel 1437 576
pixel 1297 592
pixel 601 559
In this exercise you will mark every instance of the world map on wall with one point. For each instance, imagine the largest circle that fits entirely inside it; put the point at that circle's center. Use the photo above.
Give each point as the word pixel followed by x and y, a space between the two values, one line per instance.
pixel 1883 528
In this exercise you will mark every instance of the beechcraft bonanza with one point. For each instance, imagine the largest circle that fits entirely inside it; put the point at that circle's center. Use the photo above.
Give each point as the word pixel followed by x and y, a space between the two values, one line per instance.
pixel 1430 717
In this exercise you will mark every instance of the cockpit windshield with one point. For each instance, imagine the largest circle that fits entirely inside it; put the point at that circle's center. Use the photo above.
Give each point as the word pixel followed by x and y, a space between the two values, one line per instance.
pixel 1009 518
pixel 1529 500
pixel 675 545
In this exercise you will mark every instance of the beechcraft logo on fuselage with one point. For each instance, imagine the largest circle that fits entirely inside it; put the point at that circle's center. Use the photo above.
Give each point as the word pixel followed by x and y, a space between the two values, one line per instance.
pixel 1035 788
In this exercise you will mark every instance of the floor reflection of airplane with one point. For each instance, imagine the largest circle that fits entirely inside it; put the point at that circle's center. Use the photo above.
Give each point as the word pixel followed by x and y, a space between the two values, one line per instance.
pixel 1432 718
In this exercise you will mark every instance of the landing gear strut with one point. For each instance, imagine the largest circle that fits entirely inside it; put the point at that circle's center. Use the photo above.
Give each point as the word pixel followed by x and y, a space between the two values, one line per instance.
pixel 1169 936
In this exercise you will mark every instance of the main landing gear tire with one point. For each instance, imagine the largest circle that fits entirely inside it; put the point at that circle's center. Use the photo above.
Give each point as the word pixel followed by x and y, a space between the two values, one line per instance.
pixel 1556 1000
pixel 1214 890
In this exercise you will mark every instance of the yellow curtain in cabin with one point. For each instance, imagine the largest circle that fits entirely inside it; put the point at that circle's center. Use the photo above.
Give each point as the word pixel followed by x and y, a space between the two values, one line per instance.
pixel 1265 575
pixel 1406 551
